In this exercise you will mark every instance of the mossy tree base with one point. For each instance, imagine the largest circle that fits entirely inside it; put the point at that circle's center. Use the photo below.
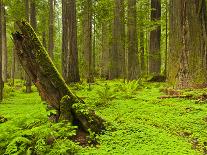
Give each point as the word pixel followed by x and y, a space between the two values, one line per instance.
pixel 50 84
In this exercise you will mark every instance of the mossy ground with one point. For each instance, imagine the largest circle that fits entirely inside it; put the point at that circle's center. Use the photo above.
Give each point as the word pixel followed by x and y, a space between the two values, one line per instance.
pixel 140 123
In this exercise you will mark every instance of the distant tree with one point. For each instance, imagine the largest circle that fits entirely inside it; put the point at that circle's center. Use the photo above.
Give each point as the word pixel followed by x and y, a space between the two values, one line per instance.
pixel 28 15
pixel 187 46
pixel 155 37
pixel 134 69
pixel 70 67
pixel 4 45
pixel 51 28
pixel 117 54
pixel 87 40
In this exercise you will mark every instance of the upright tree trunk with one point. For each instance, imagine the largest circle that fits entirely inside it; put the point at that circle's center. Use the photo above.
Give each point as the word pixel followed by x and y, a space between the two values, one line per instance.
pixel 51 86
pixel 142 52
pixel 87 40
pixel 70 68
pixel 28 14
pixel 117 54
pixel 155 36
pixel 13 66
pixel 134 68
pixel 1 41
pixel 188 36
pixel 105 50
pixel 51 29
pixel 4 46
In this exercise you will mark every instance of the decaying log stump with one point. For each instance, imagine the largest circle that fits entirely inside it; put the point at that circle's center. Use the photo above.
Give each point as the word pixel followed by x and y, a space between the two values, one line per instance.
pixel 50 84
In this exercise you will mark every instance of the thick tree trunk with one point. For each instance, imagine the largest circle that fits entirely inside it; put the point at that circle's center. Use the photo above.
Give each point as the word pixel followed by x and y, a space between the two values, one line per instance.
pixel 104 65
pixel 51 86
pixel 155 36
pixel 117 54
pixel 4 46
pixel 28 16
pixel 87 41
pixel 188 36
pixel 1 81
pixel 134 68
pixel 70 65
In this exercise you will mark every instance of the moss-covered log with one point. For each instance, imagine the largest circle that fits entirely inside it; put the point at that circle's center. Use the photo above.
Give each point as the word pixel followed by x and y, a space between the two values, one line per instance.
pixel 50 84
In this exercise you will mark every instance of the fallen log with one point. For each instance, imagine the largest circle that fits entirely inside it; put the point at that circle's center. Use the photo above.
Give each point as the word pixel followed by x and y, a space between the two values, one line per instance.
pixel 175 96
pixel 50 84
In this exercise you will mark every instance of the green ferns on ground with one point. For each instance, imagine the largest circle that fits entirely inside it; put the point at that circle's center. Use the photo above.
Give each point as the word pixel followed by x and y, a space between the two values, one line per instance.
pixel 140 122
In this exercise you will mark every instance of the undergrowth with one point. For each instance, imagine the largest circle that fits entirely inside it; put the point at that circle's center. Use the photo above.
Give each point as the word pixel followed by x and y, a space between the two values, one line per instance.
pixel 140 122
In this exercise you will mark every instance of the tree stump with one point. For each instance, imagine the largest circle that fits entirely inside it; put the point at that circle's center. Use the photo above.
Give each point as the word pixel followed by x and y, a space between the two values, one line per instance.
pixel 50 84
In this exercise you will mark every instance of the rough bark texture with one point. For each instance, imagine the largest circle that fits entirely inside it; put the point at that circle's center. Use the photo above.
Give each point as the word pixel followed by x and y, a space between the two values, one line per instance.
pixel 51 86
pixel 87 41
pixel 4 46
pixel 1 81
pixel 134 68
pixel 117 54
pixel 187 52
pixel 51 29
pixel 155 36
pixel 69 46
pixel 105 51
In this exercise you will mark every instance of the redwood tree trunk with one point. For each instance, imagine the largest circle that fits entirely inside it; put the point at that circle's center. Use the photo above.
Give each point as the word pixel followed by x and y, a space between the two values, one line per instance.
pixel 4 46
pixel 134 68
pixel 188 36
pixel 155 36
pixel 50 84
pixel 51 29
pixel 1 81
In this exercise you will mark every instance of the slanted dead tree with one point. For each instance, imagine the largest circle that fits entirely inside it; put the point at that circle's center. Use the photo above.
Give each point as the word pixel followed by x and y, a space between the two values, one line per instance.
pixel 50 84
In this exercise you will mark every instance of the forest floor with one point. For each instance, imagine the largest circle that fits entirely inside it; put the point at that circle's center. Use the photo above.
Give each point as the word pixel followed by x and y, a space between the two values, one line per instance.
pixel 140 122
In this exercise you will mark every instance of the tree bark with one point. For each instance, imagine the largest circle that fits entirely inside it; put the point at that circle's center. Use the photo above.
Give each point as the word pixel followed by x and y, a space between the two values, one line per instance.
pixel 155 36
pixel 69 46
pixel 4 46
pixel 188 40
pixel 117 54
pixel 51 86
pixel 134 68
pixel 51 29
pixel 1 81
pixel 87 41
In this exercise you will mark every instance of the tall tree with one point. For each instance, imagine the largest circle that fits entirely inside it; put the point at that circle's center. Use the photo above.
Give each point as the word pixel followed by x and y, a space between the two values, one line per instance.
pixel 188 36
pixel 155 36
pixel 117 54
pixel 134 68
pixel 4 45
pixel 70 67
pixel 51 28
pixel 87 40
pixel 28 14
pixel 1 81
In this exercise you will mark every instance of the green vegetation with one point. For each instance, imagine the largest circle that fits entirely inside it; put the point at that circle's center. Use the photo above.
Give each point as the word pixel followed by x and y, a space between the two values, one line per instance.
pixel 139 122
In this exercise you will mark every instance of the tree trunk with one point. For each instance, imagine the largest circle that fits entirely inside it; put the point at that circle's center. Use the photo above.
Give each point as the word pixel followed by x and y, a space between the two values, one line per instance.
pixel 51 29
pixel 117 54
pixel 1 41
pixel 4 46
pixel 87 40
pixel 69 46
pixel 155 36
pixel 51 86
pixel 28 82
pixel 13 66
pixel 104 65
pixel 134 68
pixel 187 53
